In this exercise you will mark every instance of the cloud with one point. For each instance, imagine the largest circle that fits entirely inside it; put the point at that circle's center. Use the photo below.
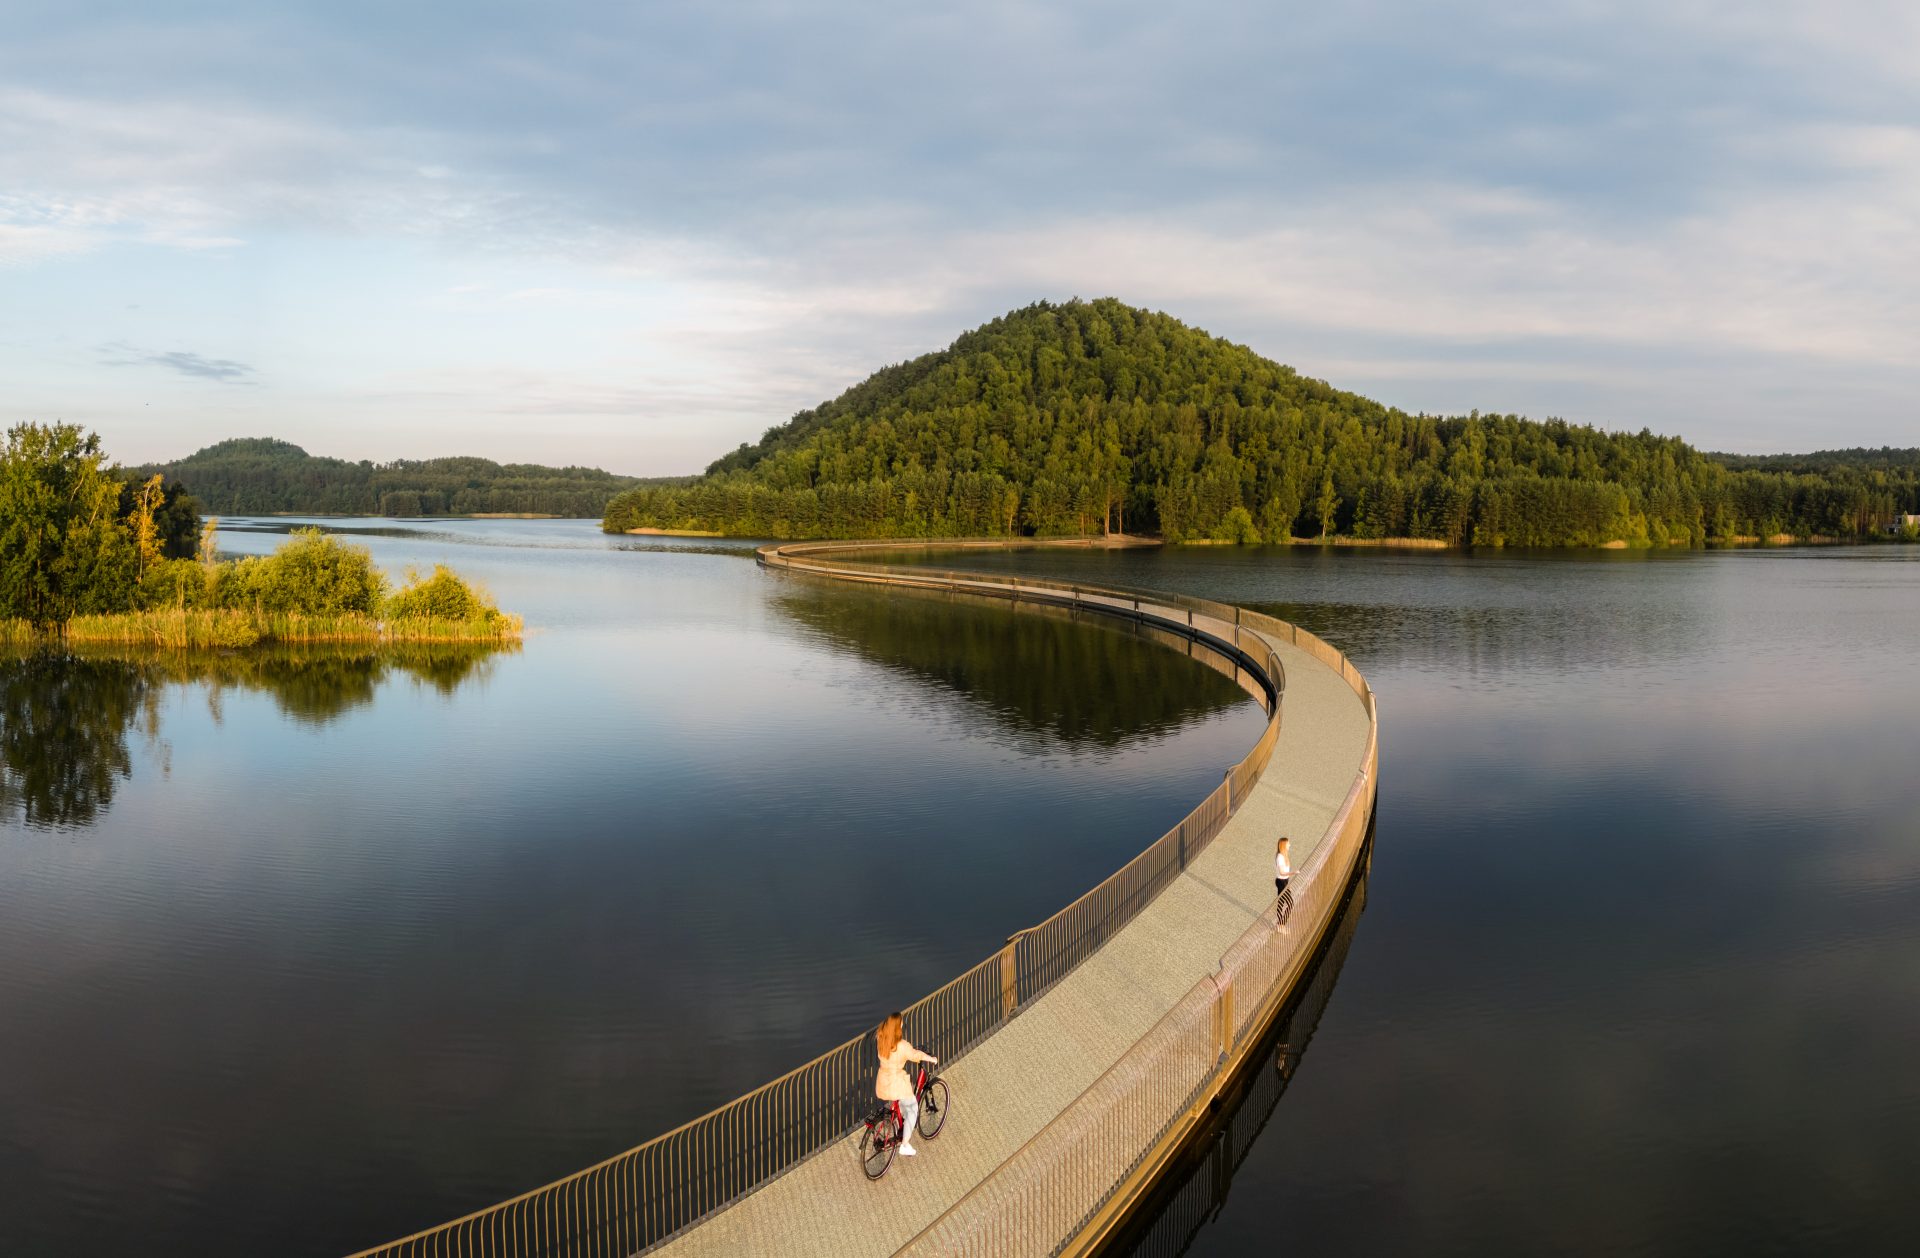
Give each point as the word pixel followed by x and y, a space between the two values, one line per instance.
pixel 1686 213
pixel 226 370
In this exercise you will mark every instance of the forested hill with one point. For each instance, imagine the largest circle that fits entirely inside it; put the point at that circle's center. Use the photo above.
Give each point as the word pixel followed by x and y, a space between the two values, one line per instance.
pixel 259 475
pixel 1884 459
pixel 1091 416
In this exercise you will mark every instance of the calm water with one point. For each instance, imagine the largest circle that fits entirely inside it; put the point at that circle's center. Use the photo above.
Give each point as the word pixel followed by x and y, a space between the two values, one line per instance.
pixel 336 947
pixel 1640 965
pixel 303 950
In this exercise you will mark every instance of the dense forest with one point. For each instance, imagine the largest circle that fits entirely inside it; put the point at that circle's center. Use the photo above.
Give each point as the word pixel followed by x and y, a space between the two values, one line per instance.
pixel 1089 417
pixel 260 476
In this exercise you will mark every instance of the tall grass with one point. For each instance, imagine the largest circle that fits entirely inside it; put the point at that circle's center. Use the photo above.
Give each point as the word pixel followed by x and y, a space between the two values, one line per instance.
pixel 20 633
pixel 200 629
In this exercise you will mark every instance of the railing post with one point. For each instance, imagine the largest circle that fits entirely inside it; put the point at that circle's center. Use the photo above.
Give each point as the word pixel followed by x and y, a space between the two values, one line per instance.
pixel 1223 1016
pixel 1009 977
pixel 1229 777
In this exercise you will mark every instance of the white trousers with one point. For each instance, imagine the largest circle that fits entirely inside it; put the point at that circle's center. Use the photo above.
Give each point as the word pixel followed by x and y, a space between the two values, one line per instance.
pixel 909 1114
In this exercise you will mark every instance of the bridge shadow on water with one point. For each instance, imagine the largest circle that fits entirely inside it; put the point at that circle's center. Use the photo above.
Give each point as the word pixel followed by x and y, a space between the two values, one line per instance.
pixel 1192 1193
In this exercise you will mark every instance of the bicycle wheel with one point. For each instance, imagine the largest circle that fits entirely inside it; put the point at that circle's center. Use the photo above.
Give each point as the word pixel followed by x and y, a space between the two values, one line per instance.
pixel 877 1144
pixel 934 1104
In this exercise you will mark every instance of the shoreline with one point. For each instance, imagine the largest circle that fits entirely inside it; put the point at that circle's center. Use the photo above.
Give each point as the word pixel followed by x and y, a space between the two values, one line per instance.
pixel 1135 541
pixel 362 515
pixel 229 629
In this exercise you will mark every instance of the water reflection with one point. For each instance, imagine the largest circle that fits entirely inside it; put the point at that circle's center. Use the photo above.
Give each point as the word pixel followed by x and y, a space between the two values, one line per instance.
pixel 1045 676
pixel 63 736
pixel 66 718
pixel 1194 1192
pixel 1472 615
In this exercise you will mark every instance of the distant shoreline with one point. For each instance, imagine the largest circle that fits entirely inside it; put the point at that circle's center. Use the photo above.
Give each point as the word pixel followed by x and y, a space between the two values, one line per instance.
pixel 361 515
pixel 1122 541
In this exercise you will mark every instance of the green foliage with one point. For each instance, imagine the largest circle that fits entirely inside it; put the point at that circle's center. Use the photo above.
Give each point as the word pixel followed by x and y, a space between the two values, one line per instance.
pixel 442 595
pixel 444 598
pixel 257 476
pixel 178 583
pixel 1237 527
pixel 175 516
pixel 312 573
pixel 64 548
pixel 1093 416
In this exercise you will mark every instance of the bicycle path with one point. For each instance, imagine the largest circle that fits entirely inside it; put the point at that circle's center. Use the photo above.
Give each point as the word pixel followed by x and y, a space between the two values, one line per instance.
pixel 1014 1082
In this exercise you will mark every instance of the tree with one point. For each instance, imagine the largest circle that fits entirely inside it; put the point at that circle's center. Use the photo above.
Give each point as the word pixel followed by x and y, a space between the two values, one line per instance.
pixel 146 534
pixel 63 550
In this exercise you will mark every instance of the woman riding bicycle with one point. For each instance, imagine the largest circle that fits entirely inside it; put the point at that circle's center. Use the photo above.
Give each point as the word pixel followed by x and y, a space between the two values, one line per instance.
pixel 892 1084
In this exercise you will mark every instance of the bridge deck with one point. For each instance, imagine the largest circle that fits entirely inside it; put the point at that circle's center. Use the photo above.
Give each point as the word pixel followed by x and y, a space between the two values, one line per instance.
pixel 1010 1085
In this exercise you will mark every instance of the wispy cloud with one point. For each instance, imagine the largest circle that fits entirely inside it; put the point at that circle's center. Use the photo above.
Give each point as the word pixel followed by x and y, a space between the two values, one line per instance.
pixel 226 370
pixel 1599 209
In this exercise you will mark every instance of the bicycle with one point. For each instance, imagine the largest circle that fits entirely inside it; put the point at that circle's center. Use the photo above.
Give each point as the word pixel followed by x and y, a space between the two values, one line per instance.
pixel 881 1139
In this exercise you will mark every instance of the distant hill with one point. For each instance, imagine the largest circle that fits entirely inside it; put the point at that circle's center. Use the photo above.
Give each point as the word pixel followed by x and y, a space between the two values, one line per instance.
pixel 260 475
pixel 1821 462
pixel 1094 416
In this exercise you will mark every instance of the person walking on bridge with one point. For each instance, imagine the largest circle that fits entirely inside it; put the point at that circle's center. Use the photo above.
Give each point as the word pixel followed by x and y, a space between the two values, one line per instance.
pixel 892 1084
pixel 1282 875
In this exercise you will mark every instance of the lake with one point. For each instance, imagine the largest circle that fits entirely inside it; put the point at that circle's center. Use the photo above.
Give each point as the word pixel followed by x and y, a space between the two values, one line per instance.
pixel 301 953
pixel 1639 971
pixel 304 950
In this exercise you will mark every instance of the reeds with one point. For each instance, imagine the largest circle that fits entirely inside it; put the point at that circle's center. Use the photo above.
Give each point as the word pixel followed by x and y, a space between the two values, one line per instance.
pixel 216 629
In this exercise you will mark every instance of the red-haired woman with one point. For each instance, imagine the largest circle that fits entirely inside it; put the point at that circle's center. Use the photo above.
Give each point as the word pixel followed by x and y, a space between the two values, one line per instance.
pixel 892 1083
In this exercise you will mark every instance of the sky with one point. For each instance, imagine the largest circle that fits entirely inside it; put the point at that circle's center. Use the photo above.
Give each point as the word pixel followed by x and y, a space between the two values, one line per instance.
pixel 636 235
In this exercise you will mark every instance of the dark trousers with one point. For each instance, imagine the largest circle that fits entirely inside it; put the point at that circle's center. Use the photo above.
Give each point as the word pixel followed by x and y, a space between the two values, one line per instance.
pixel 1284 909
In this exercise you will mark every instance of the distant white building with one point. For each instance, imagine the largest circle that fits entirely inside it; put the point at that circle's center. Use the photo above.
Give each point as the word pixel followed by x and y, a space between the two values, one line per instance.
pixel 1903 522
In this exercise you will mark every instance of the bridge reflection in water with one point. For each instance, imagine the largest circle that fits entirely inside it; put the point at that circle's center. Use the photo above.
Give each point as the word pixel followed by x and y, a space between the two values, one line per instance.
pixel 1167 1221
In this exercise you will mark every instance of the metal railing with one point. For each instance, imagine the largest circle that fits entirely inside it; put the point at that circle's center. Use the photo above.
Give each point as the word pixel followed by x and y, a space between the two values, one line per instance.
pixel 1174 1215
pixel 1069 1185
pixel 650 1193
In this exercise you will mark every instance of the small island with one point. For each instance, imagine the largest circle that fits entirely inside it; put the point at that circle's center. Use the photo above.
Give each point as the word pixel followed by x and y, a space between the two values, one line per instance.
pixel 89 555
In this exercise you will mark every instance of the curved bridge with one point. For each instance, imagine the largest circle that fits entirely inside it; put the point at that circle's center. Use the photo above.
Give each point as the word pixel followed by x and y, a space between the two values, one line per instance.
pixel 1082 1054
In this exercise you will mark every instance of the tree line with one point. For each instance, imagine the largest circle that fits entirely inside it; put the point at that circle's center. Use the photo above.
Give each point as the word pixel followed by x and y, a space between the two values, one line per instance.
pixel 264 476
pixel 1093 417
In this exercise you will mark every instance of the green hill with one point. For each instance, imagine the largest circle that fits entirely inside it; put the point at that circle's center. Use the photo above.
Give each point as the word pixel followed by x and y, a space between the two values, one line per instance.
pixel 1094 416
pixel 259 475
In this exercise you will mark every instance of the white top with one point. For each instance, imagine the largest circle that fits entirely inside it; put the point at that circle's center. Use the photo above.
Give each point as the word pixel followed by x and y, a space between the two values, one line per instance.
pixel 1280 867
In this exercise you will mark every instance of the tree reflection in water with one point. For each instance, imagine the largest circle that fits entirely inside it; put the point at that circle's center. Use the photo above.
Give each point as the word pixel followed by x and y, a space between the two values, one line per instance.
pixel 65 718
pixel 1042 672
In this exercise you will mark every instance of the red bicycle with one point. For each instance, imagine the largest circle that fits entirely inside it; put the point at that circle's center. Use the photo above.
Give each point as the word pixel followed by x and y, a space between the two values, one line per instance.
pixel 881 1139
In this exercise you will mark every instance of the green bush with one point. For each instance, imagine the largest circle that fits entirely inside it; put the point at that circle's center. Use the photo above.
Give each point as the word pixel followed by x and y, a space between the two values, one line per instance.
pixel 1237 527
pixel 178 583
pixel 442 596
pixel 313 574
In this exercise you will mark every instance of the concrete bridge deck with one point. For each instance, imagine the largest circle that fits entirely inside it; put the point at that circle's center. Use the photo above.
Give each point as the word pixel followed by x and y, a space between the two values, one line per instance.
pixel 1011 1085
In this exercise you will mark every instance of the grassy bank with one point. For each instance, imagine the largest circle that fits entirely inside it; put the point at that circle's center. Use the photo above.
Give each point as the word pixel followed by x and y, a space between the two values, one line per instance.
pixel 196 629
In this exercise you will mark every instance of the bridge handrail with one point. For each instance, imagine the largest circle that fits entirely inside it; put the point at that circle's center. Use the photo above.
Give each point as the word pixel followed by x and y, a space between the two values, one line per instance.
pixel 1064 1190
pixel 652 1192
